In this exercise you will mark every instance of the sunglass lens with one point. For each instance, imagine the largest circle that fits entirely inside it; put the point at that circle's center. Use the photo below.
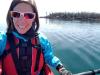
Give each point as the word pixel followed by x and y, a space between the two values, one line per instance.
pixel 28 15
pixel 15 14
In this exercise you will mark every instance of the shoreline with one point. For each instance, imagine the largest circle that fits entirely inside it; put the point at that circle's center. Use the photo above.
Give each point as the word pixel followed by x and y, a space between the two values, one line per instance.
pixel 82 16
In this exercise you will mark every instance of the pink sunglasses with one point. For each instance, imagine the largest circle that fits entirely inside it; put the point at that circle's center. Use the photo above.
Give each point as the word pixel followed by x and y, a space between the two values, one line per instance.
pixel 26 15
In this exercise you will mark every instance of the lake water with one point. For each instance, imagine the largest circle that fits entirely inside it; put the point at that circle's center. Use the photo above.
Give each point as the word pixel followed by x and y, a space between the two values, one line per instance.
pixel 77 44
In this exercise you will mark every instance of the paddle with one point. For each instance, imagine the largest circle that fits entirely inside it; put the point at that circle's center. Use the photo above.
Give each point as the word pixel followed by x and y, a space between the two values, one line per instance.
pixel 91 72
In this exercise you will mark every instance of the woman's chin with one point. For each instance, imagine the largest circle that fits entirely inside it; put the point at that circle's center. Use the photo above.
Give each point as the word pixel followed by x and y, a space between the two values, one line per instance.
pixel 22 32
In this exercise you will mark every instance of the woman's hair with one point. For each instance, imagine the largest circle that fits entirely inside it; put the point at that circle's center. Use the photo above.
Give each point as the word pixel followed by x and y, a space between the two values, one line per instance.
pixel 10 20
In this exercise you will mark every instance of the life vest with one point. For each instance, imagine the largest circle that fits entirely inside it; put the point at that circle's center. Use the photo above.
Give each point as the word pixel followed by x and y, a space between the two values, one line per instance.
pixel 17 61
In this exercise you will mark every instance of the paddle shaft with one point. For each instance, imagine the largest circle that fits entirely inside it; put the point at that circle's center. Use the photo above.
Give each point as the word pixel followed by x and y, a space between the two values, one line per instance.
pixel 91 72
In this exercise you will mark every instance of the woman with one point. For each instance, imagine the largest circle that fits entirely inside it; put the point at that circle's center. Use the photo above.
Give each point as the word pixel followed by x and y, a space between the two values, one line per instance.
pixel 27 52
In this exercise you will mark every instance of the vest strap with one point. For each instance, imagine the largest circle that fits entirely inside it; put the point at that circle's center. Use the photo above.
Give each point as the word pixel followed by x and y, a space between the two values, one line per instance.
pixel 25 56
pixel 5 53
pixel 38 53
pixel 10 39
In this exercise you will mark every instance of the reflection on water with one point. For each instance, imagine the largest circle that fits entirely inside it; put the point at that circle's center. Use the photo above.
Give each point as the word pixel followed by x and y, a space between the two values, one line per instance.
pixel 76 44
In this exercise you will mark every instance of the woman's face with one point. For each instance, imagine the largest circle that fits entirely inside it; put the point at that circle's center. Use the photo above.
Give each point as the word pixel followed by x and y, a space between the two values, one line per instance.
pixel 23 16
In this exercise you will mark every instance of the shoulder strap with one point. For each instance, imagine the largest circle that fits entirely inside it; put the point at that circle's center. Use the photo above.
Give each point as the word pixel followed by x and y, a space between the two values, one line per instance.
pixel 25 56
pixel 38 46
pixel 10 39
pixel 5 53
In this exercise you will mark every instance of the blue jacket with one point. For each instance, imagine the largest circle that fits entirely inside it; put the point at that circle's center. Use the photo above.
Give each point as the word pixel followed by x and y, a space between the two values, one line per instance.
pixel 47 49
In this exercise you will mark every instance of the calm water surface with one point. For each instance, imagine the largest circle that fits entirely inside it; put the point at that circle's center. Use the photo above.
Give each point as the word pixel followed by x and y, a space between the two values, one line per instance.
pixel 76 44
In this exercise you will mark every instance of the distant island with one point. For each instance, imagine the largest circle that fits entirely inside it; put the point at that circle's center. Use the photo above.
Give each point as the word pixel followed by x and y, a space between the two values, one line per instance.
pixel 82 16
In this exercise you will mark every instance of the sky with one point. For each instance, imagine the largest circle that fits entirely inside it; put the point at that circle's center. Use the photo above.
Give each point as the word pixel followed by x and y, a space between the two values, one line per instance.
pixel 50 6
pixel 69 5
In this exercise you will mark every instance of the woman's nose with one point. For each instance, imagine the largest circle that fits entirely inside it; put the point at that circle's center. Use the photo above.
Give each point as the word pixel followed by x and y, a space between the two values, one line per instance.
pixel 21 17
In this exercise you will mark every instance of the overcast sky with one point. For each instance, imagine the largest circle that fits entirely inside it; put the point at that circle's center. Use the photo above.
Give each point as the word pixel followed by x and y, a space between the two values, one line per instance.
pixel 56 5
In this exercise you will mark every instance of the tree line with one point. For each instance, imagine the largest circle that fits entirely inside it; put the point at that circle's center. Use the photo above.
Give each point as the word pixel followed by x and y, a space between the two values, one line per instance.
pixel 82 16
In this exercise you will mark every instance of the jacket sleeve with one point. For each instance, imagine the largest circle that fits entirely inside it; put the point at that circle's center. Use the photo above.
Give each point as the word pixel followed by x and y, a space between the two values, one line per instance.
pixel 48 52
pixel 3 38
pixel 2 42
pixel 0 67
